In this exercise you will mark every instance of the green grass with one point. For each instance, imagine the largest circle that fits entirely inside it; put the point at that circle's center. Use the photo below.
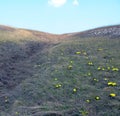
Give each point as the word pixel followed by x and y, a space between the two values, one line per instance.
pixel 46 84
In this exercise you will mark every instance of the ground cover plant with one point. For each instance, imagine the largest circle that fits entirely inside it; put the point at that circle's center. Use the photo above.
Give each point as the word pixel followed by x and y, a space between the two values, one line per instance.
pixel 78 76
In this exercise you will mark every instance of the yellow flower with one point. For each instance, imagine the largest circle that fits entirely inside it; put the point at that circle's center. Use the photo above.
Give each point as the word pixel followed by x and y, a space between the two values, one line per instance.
pixel 112 95
pixel 103 68
pixel 89 74
pixel 57 86
pixel 70 67
pixel 97 98
pixel 108 68
pixel 105 79
pixel 99 68
pixel 110 83
pixel 100 49
pixel 114 84
pixel 88 100
pixel 78 53
pixel 74 90
pixel 56 79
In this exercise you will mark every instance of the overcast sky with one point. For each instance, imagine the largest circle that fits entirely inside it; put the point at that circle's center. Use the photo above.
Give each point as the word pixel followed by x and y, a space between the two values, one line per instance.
pixel 59 16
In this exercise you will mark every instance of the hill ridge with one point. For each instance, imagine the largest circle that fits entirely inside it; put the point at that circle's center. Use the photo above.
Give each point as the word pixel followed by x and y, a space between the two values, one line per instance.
pixel 113 30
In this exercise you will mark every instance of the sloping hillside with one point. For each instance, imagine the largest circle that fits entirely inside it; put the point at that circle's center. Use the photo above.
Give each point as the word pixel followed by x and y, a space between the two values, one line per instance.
pixel 75 74
pixel 18 35
pixel 108 32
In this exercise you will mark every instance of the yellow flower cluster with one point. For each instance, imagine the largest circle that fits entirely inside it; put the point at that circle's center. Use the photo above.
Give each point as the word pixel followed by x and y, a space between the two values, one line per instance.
pixel 95 79
pixel 83 52
pixel 115 69
pixel 90 63
pixel 108 68
pixel 112 84
pixel 101 68
pixel 58 85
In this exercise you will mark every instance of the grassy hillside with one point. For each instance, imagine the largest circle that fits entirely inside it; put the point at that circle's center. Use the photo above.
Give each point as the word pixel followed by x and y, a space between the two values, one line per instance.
pixel 75 77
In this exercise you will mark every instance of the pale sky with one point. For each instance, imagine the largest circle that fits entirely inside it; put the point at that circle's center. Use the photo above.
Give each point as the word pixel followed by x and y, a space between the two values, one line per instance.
pixel 59 16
